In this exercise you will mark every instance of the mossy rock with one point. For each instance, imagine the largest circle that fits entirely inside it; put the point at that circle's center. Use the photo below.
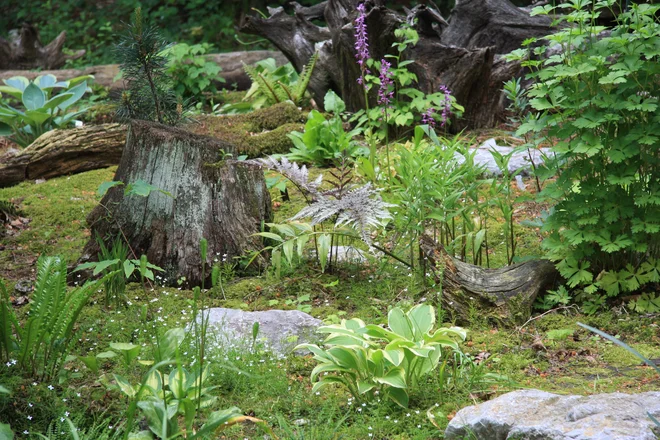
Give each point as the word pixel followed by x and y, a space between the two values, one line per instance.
pixel 259 133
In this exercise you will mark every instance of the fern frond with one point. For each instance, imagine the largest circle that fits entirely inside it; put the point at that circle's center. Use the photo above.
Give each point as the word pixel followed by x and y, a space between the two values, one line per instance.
pixel 285 92
pixel 305 77
pixel 266 86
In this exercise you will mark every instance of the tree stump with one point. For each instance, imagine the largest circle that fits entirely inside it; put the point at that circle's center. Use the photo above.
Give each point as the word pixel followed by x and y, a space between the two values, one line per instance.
pixel 225 202
pixel 27 52
pixel 61 152
pixel 503 295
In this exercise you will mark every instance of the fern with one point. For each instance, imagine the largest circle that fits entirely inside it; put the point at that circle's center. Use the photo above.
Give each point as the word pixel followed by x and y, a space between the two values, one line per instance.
pixel 266 86
pixel 277 91
pixel 43 342
pixel 305 77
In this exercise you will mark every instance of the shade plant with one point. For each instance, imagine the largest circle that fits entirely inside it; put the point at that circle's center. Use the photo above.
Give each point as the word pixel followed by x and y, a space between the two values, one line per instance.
pixel 47 105
pixel 598 100
pixel 372 361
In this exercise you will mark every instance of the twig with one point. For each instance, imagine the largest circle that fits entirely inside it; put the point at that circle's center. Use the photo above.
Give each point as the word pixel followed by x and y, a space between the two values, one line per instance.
pixel 572 306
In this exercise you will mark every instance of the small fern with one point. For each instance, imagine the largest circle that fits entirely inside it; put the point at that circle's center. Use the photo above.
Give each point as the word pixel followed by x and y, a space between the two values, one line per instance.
pixel 42 343
pixel 276 90
pixel 305 77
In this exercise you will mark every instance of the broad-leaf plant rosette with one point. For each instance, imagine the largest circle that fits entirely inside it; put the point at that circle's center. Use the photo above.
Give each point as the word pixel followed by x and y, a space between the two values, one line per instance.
pixel 372 361
pixel 45 108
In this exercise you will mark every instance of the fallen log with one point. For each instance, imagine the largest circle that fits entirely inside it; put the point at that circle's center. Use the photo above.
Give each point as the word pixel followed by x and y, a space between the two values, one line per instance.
pixel 27 52
pixel 106 75
pixel 200 196
pixel 61 152
pixel 504 295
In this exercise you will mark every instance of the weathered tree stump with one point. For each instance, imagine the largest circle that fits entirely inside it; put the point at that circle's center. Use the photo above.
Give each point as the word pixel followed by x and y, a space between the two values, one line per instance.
pixel 62 152
pixel 27 52
pixel 503 295
pixel 460 53
pixel 224 202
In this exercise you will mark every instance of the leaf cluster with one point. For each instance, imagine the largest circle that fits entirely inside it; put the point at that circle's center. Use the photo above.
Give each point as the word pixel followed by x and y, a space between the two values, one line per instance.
pixel 372 361
pixel 45 108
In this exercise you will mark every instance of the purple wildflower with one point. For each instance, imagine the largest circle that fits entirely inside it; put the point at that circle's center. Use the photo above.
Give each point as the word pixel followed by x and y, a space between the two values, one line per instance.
pixel 385 94
pixel 361 41
pixel 446 110
pixel 427 117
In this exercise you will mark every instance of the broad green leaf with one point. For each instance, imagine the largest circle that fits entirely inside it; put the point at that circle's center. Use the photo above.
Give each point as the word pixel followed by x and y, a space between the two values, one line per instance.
pixel 103 265
pixel 323 241
pixel 399 323
pixel 37 117
pixel 90 362
pixel 76 93
pixel 57 100
pixel 345 357
pixel 18 82
pixel 129 268
pixel 45 81
pixel 105 186
pixel 422 317
pixel 399 396
pixel 270 235
pixel 333 103
pixel 33 97
pixel 124 386
pixel 5 432
pixel 395 378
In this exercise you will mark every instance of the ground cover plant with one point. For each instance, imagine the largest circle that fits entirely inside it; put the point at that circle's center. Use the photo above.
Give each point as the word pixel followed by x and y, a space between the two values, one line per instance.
pixel 128 354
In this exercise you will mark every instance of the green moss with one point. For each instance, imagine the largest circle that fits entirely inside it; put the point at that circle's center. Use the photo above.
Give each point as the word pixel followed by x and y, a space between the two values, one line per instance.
pixel 258 133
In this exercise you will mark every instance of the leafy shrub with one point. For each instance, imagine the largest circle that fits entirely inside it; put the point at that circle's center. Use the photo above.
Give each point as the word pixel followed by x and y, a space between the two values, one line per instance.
pixel 193 75
pixel 599 99
pixel 41 345
pixel 371 361
pixel 325 141
pixel 44 109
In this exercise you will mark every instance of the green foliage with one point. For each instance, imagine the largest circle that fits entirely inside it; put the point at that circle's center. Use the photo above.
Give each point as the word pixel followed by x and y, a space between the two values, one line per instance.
pixel 436 187
pixel 325 141
pixel 272 85
pixel 370 360
pixel 45 109
pixel 193 75
pixel 599 99
pixel 149 95
pixel 42 343
pixel 115 266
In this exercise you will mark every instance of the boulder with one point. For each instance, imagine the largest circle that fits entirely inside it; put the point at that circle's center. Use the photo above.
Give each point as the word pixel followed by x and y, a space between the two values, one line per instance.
pixel 519 159
pixel 538 415
pixel 279 330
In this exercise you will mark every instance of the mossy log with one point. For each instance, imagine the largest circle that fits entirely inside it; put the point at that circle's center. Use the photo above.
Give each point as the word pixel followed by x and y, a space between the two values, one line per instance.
pixel 201 196
pixel 27 52
pixel 255 134
pixel 62 152
pixel 504 295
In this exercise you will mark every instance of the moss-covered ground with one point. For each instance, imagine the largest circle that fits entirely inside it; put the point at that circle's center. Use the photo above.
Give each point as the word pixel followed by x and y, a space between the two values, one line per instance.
pixel 279 390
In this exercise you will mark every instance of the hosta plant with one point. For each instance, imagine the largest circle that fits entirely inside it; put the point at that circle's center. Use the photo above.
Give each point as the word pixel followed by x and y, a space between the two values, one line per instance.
pixel 597 102
pixel 47 105
pixel 372 361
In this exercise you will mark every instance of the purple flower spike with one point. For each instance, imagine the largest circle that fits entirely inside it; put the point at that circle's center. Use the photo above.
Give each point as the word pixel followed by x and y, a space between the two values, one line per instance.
pixel 385 95
pixel 427 117
pixel 446 110
pixel 361 41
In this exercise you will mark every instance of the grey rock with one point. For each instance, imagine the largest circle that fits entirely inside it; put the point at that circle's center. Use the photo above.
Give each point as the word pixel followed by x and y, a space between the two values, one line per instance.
pixel 279 330
pixel 23 287
pixel 538 415
pixel 519 160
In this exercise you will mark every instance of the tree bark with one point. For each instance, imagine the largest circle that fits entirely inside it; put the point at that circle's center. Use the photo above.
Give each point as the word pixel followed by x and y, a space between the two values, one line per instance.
pixel 225 202
pixel 106 75
pixel 460 53
pixel 27 52
pixel 504 295
pixel 61 152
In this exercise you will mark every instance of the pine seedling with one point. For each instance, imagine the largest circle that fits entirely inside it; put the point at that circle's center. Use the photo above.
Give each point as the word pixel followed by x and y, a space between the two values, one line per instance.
pixel 149 93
